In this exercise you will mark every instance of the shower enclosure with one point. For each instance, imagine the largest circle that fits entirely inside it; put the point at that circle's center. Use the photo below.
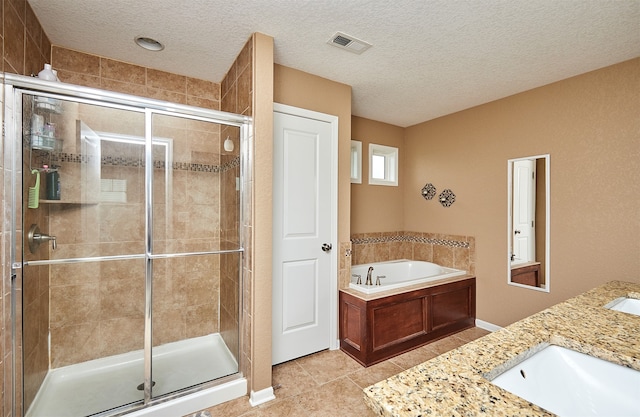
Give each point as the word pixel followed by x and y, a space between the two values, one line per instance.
pixel 126 249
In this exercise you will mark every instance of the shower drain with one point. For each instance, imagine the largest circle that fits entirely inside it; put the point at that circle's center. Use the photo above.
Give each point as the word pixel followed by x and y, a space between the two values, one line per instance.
pixel 141 386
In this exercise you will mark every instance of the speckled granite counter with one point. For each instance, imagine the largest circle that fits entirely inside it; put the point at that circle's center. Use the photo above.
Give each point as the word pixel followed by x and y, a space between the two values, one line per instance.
pixel 456 384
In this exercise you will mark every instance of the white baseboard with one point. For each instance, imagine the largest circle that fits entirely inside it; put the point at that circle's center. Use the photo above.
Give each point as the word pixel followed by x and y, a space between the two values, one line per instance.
pixel 261 397
pixel 487 326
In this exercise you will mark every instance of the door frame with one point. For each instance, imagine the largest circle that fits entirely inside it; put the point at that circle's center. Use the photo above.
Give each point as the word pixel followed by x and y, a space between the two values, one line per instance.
pixel 530 195
pixel 334 342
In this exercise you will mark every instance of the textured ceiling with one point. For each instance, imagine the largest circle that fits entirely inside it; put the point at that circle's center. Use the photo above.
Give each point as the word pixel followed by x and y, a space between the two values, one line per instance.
pixel 429 58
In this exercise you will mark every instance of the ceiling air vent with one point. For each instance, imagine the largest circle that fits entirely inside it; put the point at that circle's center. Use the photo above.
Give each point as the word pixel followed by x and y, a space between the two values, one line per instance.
pixel 348 42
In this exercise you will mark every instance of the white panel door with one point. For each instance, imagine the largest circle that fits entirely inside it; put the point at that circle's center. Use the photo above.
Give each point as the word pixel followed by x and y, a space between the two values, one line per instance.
pixel 302 224
pixel 524 203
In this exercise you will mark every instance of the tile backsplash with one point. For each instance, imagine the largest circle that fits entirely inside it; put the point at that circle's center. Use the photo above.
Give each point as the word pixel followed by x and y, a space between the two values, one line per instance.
pixel 452 251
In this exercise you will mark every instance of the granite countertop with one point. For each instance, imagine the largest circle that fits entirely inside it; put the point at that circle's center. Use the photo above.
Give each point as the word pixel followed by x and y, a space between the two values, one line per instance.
pixel 455 383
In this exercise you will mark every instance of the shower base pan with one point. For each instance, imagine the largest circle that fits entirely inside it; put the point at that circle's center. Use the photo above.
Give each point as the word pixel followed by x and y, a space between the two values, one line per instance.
pixel 99 385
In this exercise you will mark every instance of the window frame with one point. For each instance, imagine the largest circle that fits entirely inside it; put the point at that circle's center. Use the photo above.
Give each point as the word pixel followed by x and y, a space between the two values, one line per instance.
pixel 391 163
pixel 356 162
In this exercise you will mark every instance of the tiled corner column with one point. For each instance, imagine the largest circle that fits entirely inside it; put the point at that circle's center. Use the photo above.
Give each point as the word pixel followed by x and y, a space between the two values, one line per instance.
pixel 26 48
pixel 345 260
pixel 452 251
pixel 236 97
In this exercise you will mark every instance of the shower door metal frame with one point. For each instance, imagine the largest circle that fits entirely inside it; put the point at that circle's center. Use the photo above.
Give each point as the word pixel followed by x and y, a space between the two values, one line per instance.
pixel 14 86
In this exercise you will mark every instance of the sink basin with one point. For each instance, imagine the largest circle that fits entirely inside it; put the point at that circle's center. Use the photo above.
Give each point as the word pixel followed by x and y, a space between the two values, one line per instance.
pixel 570 383
pixel 626 305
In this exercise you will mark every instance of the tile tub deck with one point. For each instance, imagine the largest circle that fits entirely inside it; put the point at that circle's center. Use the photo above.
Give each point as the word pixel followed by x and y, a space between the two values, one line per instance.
pixel 455 383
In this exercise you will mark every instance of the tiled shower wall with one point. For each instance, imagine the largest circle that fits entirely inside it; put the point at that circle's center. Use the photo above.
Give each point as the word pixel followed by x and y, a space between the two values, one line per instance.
pixel 91 304
pixel 25 49
pixel 201 203
pixel 91 319
pixel 446 250
pixel 237 97
pixel 107 74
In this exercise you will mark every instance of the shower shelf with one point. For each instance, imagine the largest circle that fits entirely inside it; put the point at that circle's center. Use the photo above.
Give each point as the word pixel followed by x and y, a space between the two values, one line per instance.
pixel 86 203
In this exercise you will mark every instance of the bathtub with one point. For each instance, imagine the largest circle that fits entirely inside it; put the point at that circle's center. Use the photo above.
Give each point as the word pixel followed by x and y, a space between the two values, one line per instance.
pixel 376 326
pixel 398 274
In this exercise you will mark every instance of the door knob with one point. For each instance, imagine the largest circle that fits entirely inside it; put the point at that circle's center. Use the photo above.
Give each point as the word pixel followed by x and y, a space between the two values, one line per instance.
pixel 517 232
pixel 326 247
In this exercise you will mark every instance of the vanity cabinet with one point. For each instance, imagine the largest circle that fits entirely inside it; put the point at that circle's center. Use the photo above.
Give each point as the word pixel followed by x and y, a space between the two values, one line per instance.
pixel 375 329
pixel 528 274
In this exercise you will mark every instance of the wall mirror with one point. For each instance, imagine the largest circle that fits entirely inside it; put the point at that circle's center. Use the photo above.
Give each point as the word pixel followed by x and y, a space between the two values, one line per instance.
pixel 528 222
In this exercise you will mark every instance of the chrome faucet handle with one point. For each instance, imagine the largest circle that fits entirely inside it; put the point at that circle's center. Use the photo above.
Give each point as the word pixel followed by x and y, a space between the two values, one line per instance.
pixel 378 279
pixel 35 238
pixel 359 278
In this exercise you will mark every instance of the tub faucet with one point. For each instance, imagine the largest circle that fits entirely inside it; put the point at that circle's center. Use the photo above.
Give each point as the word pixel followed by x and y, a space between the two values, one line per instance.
pixel 368 281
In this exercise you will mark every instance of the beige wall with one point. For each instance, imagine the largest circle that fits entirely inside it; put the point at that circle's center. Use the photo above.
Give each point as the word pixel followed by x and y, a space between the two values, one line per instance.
pixel 589 124
pixel 259 252
pixel 308 91
pixel 377 208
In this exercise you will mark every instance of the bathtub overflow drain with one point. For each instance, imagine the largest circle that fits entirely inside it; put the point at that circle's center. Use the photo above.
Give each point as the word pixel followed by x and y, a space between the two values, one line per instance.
pixel 141 386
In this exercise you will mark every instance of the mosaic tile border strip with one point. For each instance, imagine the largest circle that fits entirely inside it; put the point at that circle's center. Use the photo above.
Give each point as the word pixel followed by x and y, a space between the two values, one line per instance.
pixel 136 162
pixel 412 239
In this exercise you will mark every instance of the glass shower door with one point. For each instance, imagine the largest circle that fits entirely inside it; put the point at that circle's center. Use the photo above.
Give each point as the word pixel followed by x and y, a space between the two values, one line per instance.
pixel 83 272
pixel 192 298
pixel 128 252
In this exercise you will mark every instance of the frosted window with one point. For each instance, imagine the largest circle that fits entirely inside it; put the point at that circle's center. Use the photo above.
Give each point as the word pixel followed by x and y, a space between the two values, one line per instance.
pixel 377 167
pixel 356 162
pixel 383 165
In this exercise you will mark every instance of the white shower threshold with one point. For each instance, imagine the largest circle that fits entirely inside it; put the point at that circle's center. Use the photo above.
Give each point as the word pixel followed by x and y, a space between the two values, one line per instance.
pixel 98 385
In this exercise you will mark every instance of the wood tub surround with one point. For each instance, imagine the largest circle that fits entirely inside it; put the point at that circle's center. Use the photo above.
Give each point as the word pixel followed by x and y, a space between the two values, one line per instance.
pixel 374 328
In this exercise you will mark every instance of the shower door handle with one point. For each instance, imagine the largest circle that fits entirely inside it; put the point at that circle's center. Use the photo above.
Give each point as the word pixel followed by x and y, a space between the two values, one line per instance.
pixel 326 247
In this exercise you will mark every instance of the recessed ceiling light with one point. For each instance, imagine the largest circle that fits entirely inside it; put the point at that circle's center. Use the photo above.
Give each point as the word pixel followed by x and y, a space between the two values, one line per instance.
pixel 149 44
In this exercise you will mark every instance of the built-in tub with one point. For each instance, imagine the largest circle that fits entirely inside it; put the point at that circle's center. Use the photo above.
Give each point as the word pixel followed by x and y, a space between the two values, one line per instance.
pixel 398 274
pixel 427 302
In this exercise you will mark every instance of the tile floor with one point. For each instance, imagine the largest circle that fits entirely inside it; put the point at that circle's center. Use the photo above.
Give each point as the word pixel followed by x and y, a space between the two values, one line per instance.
pixel 330 383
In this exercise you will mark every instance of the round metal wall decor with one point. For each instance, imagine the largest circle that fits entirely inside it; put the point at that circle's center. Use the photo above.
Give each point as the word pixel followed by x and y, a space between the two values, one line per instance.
pixel 428 191
pixel 447 197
